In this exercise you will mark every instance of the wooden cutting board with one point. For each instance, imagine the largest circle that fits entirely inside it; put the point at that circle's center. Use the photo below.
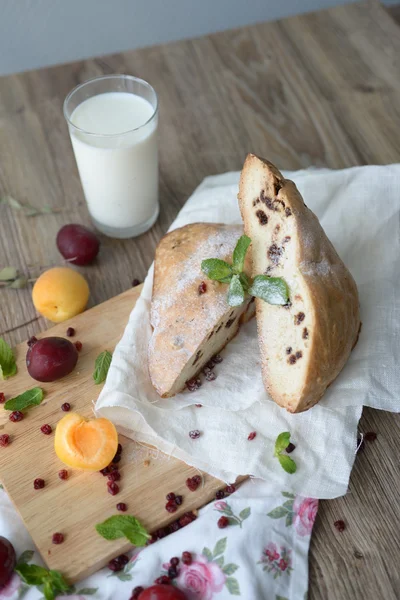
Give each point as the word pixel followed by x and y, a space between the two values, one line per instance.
pixel 73 507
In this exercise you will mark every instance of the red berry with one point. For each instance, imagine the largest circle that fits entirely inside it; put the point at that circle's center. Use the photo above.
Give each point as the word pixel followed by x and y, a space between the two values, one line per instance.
pixel 32 340
pixel 66 407
pixel 116 458
pixel 202 288
pixel 78 346
pixel 174 562
pixel 187 558
pixel 210 376
pixel 172 572
pixel 112 468
pixel 113 488
pixel 171 506
pixel 230 489
pixel 8 561
pixel 193 482
pixel 370 436
pixel 46 429
pixel 163 580
pixel 170 496
pixel 135 282
pixel 198 405
pixel 63 474
pixel 194 434
pixel 217 359
pixel 70 332
pixel 252 435
pixel 186 519
pixel 223 522
pixel 105 471
pixel 38 484
pixel 57 538
pixel 123 559
pixel 121 506
pixel 115 565
pixel 136 592
pixel 119 449
pixel 114 476
pixel 290 448
pixel 193 384
pixel 220 494
pixel 4 440
pixel 16 416
pixel 178 500
pixel 2 398
pixel 340 525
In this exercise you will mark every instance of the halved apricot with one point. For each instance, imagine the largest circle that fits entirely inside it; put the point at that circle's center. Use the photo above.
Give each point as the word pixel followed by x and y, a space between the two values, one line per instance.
pixel 88 444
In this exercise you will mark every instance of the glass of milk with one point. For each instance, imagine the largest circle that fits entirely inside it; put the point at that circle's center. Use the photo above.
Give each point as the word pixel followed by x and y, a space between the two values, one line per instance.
pixel 112 122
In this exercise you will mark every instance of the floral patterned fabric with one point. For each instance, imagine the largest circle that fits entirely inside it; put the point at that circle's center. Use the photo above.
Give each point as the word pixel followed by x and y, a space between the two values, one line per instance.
pixel 261 554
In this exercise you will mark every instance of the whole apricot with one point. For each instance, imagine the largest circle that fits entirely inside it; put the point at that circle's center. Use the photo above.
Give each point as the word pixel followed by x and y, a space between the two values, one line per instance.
pixel 88 444
pixel 60 293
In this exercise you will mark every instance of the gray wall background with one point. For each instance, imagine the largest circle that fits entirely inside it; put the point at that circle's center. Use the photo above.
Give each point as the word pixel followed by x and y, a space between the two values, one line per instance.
pixel 37 33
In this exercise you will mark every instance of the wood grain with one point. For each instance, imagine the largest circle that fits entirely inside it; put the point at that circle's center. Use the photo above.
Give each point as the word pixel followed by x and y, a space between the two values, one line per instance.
pixel 75 506
pixel 320 89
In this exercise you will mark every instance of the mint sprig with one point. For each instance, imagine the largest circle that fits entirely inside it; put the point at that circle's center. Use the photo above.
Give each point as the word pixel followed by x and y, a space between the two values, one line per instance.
pixel 281 443
pixel 119 526
pixel 53 581
pixel 25 400
pixel 101 366
pixel 8 366
pixel 273 290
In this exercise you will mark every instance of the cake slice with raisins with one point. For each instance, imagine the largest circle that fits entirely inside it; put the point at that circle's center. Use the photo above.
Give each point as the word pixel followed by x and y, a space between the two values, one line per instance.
pixel 190 315
pixel 306 343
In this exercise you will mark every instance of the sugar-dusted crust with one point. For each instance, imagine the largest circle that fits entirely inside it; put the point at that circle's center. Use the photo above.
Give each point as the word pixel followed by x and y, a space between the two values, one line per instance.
pixel 188 327
pixel 305 345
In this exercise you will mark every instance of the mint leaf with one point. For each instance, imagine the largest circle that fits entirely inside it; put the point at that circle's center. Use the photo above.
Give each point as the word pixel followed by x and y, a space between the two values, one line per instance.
pixel 120 526
pixel 48 591
pixel 239 253
pixel 235 292
pixel 8 366
pixel 245 281
pixel 273 290
pixel 282 442
pixel 25 400
pixel 101 366
pixel 25 557
pixel 217 269
pixel 57 581
pixel 32 574
pixel 8 274
pixel 287 463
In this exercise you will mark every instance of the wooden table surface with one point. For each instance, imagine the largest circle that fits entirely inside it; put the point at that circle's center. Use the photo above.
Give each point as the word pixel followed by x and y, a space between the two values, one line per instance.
pixel 321 89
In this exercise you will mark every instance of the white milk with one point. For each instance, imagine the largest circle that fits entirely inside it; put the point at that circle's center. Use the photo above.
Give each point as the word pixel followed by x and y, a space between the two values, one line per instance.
pixel 119 171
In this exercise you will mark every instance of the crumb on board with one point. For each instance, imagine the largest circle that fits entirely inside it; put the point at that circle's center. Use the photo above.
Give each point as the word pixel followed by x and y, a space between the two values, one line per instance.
pixel 146 463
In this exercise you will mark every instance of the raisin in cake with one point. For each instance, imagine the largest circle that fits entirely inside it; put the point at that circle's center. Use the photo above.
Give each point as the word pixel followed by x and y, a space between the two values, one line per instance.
pixel 306 343
pixel 190 316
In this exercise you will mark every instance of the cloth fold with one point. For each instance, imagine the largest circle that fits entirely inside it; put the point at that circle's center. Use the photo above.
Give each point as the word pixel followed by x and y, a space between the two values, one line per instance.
pixel 359 209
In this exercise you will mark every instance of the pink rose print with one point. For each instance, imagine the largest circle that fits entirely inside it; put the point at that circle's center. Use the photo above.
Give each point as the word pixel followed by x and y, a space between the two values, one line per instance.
pixel 201 579
pixel 272 552
pixel 11 586
pixel 305 511
pixel 283 564
pixel 220 505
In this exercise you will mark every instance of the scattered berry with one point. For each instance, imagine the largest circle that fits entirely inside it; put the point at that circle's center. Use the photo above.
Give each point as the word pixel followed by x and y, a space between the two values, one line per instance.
pixel 202 288
pixel 370 436
pixel 172 527
pixel 122 507
pixel 220 494
pixel 4 440
pixel 112 488
pixel 116 458
pixel 194 434
pixel 32 340
pixel 136 592
pixel 171 506
pixel 16 416
pixel 174 562
pixel 223 522
pixel 163 579
pixel 193 384
pixel 46 429
pixel 63 474
pixel 123 559
pixel 70 332
pixel 112 468
pixel 170 496
pixel 119 449
pixel 57 538
pixel 114 476
pixel 210 375
pixel 136 282
pixel 187 558
pixel 230 489
pixel 172 572
pixel 186 519
pixel 66 407
pixel 252 435
pixel 38 484
pixel 178 500
pixel 105 471
pixel 115 565
pixel 198 405
pixel 340 525
pixel 193 482
pixel 290 448
pixel 78 346
pixel 217 359
pixel 2 398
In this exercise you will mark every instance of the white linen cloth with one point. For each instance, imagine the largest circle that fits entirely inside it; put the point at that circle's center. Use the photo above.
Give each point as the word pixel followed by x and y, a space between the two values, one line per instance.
pixel 263 557
pixel 359 209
